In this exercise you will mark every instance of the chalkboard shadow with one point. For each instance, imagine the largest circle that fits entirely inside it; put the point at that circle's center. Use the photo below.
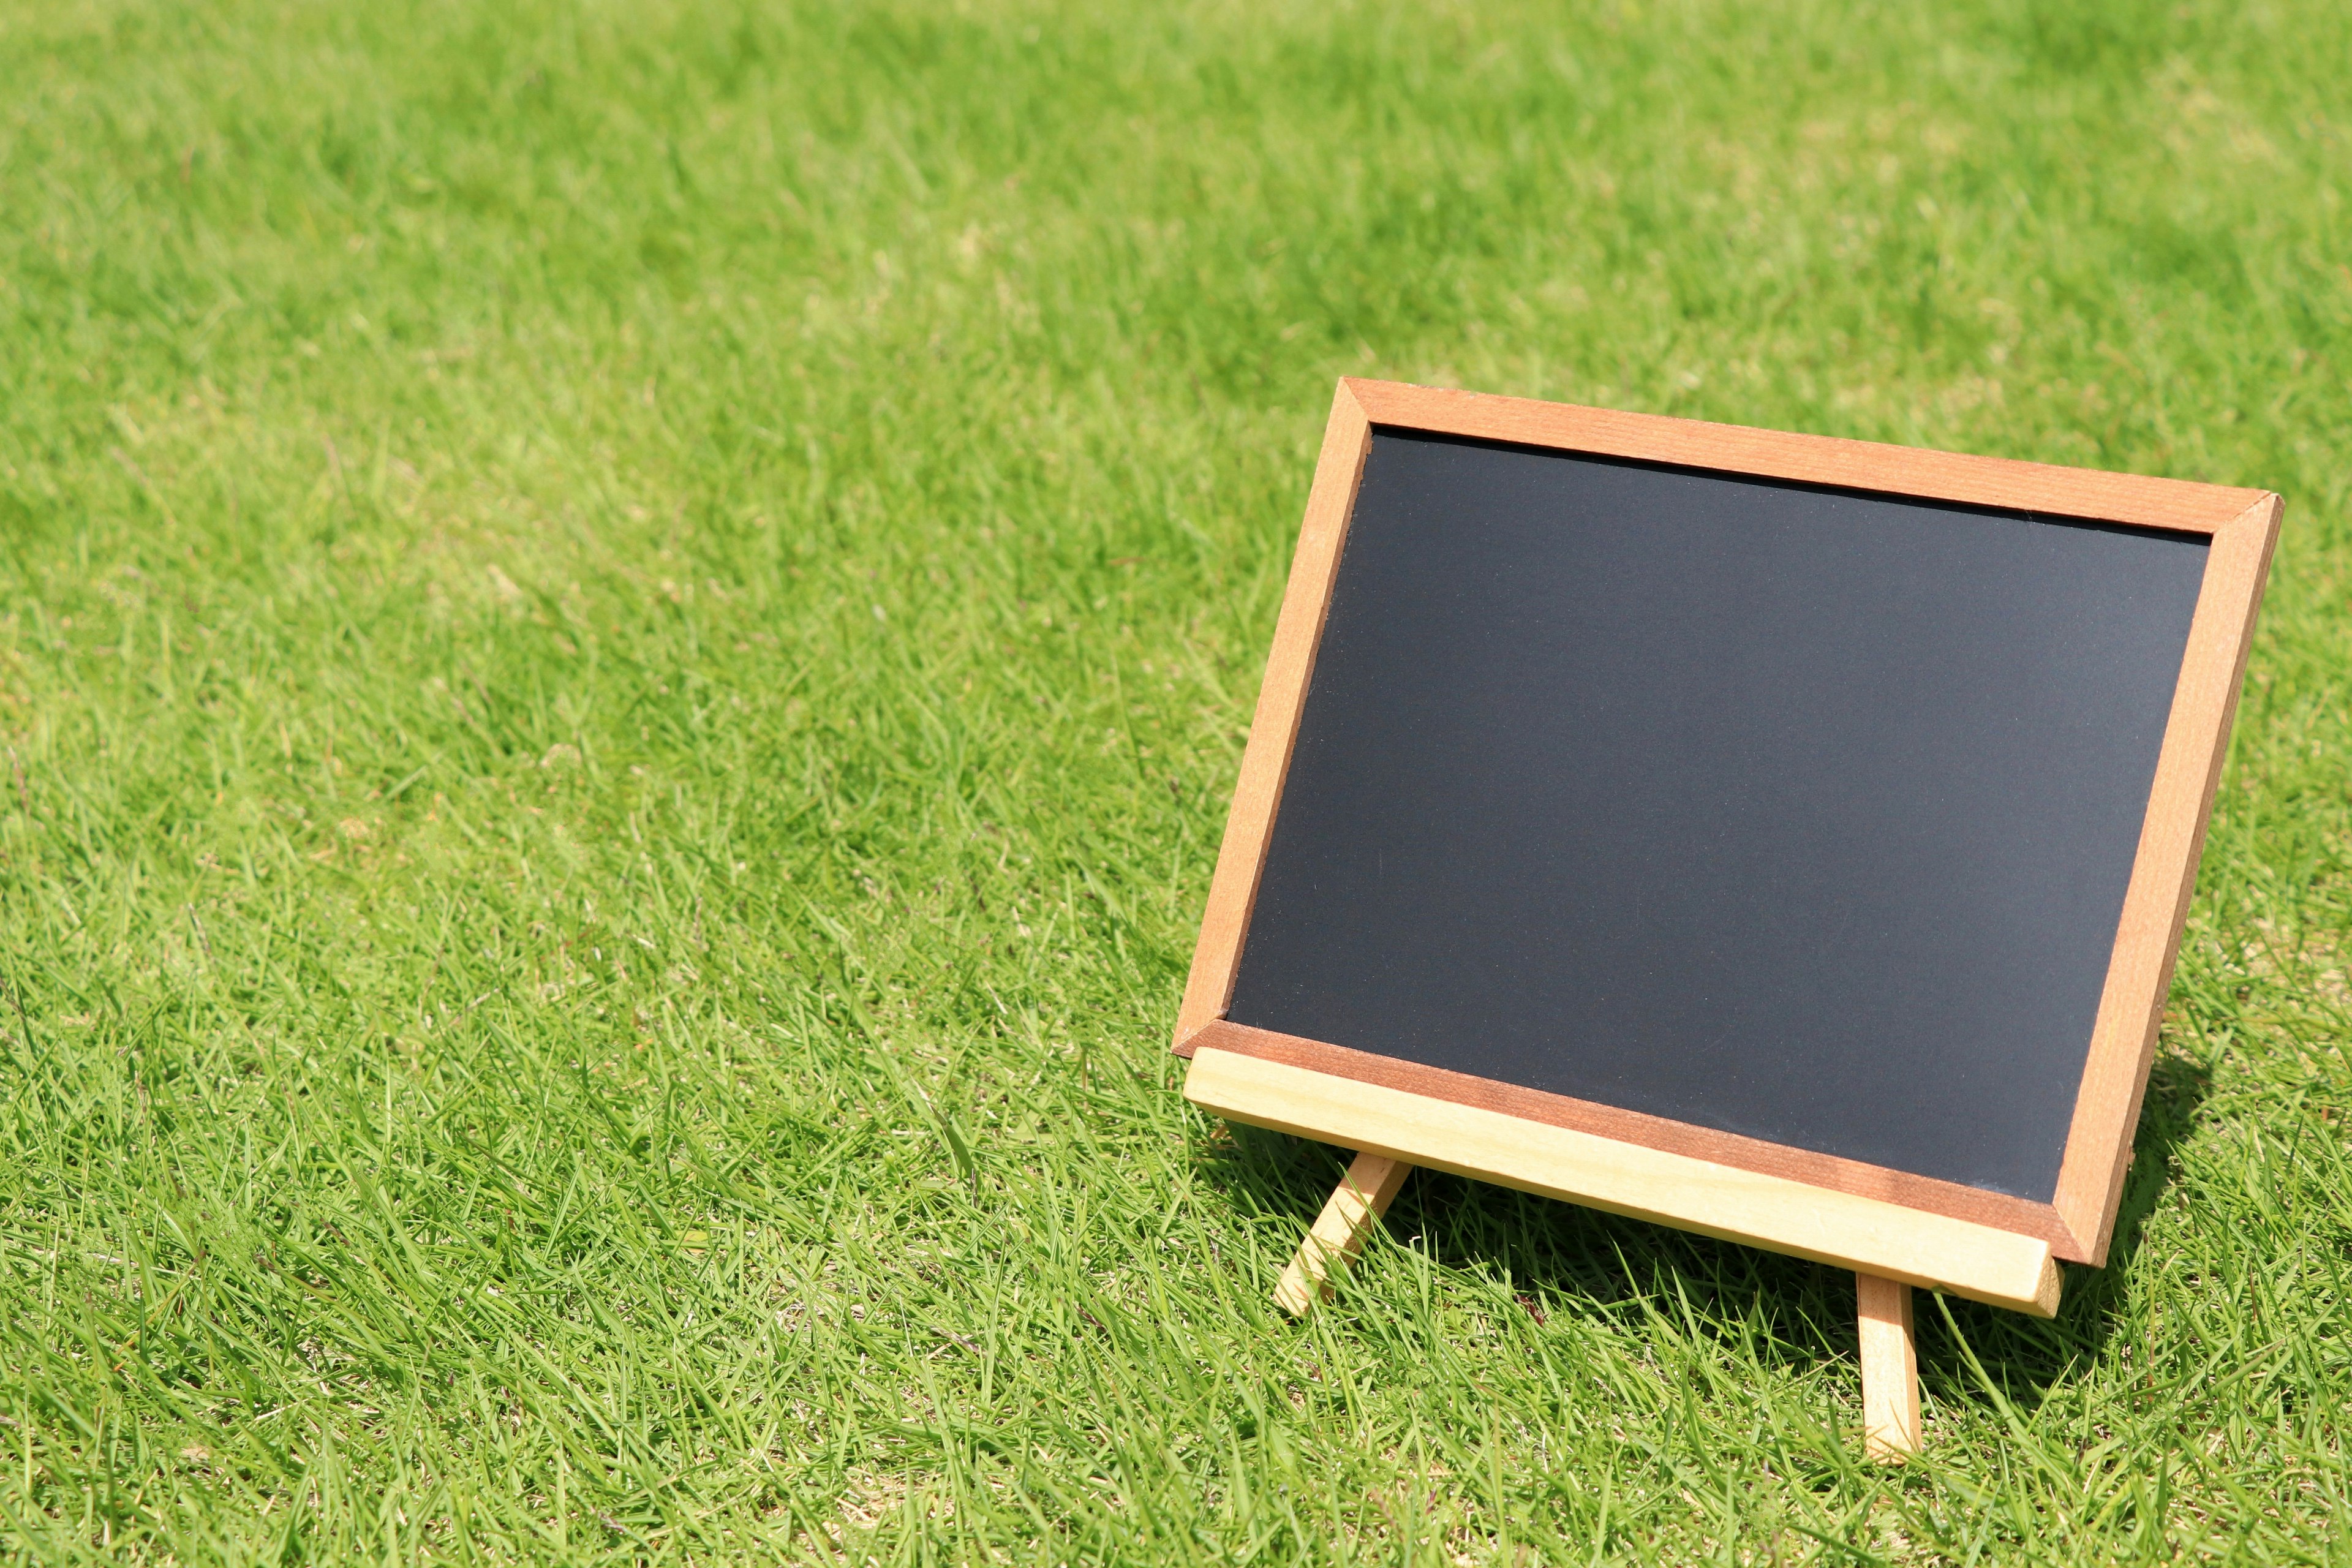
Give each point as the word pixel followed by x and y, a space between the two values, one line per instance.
pixel 2026 1357
pixel 1780 1312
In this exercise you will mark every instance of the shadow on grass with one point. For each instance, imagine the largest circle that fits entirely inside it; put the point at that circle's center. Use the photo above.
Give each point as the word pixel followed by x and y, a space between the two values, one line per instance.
pixel 1559 1257
pixel 2025 1357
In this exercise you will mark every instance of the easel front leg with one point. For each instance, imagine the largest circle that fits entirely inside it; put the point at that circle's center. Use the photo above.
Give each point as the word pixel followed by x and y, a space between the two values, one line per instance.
pixel 1890 1369
pixel 1363 1196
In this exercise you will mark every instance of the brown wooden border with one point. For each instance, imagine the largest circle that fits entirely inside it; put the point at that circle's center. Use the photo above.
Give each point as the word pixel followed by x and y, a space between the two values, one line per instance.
pixel 2164 875
pixel 1233 889
pixel 2243 525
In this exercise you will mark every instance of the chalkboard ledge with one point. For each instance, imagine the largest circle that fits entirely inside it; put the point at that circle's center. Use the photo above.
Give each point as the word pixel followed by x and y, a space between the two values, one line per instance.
pixel 1975 1206
pixel 1871 1237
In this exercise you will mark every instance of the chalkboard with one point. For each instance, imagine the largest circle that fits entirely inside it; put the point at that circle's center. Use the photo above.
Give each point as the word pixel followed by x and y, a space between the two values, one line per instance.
pixel 1775 809
pixel 1811 813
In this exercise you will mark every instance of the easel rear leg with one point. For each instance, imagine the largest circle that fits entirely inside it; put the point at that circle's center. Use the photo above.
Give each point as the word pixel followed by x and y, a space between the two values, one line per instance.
pixel 1362 1197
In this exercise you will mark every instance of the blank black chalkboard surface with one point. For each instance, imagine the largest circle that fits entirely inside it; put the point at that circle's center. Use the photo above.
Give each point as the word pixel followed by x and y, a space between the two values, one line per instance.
pixel 1783 838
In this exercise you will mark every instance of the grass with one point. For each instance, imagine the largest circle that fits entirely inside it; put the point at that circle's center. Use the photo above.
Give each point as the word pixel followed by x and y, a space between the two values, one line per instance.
pixel 622 633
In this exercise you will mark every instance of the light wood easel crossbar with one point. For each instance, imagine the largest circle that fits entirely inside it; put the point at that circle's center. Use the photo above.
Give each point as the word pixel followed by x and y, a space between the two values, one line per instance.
pixel 1865 1234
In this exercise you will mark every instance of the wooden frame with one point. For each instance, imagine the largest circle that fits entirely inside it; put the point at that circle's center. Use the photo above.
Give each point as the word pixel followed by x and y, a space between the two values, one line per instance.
pixel 1884 1223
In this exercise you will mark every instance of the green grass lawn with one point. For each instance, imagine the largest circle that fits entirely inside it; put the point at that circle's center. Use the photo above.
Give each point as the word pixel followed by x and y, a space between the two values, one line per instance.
pixel 624 630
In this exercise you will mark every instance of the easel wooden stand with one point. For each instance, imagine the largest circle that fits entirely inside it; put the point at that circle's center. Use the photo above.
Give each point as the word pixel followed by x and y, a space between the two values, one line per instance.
pixel 1890 1363
pixel 1784 838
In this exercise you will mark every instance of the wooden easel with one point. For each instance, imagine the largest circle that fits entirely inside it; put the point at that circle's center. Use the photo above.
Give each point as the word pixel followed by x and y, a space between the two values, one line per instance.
pixel 1303 1048
pixel 1890 1362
